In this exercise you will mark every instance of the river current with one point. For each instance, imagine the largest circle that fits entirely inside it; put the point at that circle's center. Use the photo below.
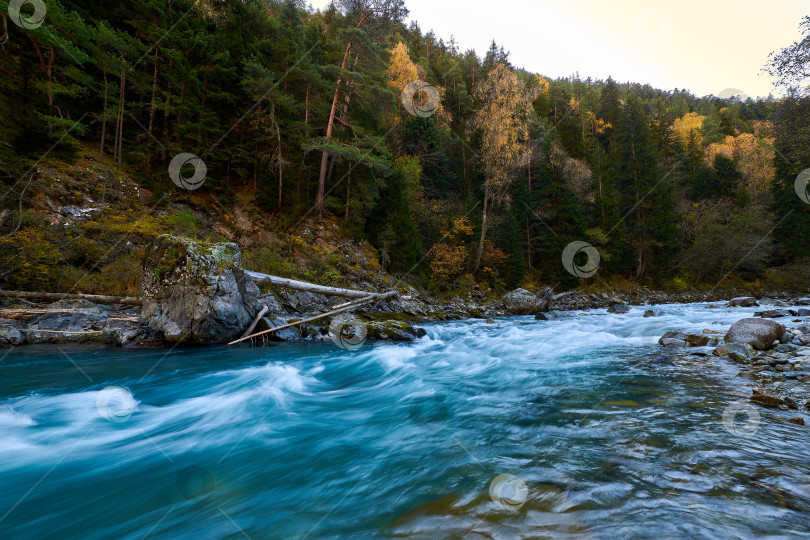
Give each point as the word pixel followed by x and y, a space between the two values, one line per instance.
pixel 519 429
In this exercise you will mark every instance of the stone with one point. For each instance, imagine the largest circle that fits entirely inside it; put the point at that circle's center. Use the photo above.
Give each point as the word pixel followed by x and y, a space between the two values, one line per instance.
pixel 759 333
pixel 673 334
pixel 195 292
pixel 803 312
pixel 490 321
pixel 391 331
pixel 520 302
pixel 786 338
pixel 661 360
pixel 672 342
pixel 799 421
pixel 786 348
pixel 772 314
pixel 653 313
pixel 697 340
pixel 743 301
pixel 541 317
pixel 619 309
pixel 766 400
pixel 735 351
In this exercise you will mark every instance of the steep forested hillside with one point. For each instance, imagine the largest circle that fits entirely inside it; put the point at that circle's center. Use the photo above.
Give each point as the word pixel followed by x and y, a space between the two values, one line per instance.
pixel 456 168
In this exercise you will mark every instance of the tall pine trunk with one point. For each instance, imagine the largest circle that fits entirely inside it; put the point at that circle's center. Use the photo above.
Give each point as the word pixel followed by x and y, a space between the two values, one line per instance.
pixel 103 120
pixel 329 126
pixel 483 231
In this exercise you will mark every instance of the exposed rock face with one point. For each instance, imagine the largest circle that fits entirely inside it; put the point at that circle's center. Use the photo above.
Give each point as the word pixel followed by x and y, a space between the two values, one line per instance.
pixel 196 293
pixel 520 302
pixel 743 301
pixel 759 333
pixel 10 332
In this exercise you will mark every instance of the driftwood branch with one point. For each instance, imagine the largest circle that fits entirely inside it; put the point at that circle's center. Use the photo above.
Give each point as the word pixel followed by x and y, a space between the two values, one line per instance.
pixel 340 309
pixel 52 297
pixel 261 314
pixel 265 279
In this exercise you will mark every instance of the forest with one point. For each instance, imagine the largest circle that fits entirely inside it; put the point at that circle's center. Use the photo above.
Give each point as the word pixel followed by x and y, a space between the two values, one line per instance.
pixel 456 168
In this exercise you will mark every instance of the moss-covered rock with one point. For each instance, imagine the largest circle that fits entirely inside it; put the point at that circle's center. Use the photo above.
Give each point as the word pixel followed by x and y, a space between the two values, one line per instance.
pixel 196 292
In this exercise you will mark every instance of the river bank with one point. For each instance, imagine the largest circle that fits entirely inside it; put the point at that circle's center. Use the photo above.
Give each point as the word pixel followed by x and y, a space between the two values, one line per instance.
pixel 81 321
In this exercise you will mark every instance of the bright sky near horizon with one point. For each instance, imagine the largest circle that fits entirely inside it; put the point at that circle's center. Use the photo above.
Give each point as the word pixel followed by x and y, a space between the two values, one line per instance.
pixel 705 46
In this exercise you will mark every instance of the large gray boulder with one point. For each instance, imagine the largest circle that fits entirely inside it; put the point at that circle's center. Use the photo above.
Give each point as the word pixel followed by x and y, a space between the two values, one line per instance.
pixel 759 333
pixel 743 301
pixel 195 292
pixel 520 302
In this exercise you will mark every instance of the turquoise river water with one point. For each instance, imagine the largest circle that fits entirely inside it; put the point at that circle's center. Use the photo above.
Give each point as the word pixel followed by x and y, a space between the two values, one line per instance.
pixel 521 429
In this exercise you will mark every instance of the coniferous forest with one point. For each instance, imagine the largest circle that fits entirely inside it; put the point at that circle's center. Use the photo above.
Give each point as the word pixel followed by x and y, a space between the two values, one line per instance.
pixel 454 167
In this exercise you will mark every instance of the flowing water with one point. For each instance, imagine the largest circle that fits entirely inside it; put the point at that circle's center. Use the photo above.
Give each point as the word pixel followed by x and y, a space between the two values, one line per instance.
pixel 399 440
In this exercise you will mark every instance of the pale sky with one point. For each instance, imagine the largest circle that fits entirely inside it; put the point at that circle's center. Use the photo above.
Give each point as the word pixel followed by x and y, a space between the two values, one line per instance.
pixel 705 46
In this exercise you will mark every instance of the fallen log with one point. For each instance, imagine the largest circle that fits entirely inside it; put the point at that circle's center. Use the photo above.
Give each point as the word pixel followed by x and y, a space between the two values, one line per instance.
pixel 52 297
pixel 265 279
pixel 340 309
pixel 41 331
pixel 261 314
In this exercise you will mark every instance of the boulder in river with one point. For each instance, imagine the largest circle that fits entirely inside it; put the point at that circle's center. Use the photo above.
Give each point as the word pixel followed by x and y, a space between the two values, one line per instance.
pixel 619 309
pixel 195 292
pixel 743 301
pixel 772 314
pixel 802 312
pixel 759 333
pixel 736 351
pixel 653 313
pixel 520 302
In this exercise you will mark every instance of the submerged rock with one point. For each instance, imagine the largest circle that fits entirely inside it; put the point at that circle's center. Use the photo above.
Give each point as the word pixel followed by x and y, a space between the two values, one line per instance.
pixel 197 293
pixel 759 333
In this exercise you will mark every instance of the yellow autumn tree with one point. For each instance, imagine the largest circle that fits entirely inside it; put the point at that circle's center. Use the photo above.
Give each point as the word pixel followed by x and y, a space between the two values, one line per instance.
pixel 503 122
pixel 754 154
pixel 689 126
pixel 401 69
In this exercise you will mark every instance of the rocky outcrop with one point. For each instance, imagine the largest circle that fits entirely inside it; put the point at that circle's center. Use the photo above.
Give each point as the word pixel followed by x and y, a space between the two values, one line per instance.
pixel 196 293
pixel 520 302
pixel 759 333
